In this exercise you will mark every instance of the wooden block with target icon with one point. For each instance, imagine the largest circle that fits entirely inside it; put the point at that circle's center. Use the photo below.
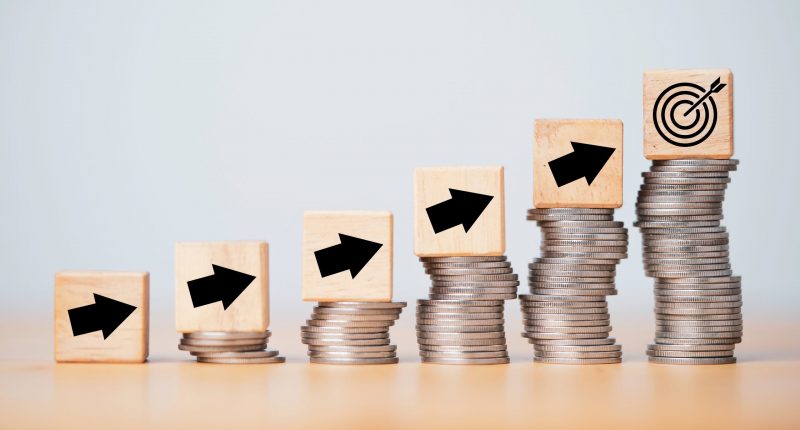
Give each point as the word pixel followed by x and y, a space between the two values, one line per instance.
pixel 688 114
pixel 347 256
pixel 577 163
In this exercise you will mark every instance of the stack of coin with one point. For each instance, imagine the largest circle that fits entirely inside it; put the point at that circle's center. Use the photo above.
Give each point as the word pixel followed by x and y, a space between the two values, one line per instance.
pixel 566 315
pixel 230 347
pixel 698 301
pixel 462 320
pixel 351 332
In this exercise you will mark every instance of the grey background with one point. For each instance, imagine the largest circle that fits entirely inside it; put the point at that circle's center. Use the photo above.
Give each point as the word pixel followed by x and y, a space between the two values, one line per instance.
pixel 127 126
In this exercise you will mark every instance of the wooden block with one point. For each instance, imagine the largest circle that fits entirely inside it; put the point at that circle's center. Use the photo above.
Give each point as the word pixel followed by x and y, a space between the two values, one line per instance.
pixel 102 316
pixel 459 211
pixel 577 163
pixel 688 114
pixel 221 286
pixel 347 256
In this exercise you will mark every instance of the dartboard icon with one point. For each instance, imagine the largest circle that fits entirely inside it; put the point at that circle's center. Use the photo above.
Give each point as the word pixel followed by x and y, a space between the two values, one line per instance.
pixel 685 113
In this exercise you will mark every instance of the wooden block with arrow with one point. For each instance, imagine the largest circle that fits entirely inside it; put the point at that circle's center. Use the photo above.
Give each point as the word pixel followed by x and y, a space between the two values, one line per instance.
pixel 221 286
pixel 459 211
pixel 102 316
pixel 688 114
pixel 577 163
pixel 347 256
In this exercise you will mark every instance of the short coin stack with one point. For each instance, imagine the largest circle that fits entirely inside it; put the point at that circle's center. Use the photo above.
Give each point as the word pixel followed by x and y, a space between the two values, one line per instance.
pixel 230 347
pixel 566 315
pixel 351 332
pixel 698 301
pixel 462 320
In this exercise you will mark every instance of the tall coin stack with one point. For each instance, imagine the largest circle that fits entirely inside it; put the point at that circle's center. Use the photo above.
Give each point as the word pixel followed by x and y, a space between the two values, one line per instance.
pixel 698 301
pixel 566 315
pixel 462 320
pixel 230 347
pixel 351 332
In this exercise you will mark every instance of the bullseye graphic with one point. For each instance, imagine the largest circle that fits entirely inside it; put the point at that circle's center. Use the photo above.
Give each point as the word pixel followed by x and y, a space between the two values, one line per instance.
pixel 685 114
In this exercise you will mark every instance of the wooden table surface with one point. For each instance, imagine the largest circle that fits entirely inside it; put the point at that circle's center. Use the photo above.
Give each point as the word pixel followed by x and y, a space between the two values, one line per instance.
pixel 761 391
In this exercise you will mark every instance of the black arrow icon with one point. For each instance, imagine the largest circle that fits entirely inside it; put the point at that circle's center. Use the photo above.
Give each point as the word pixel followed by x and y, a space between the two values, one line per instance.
pixel 224 285
pixel 586 161
pixel 351 254
pixel 104 314
pixel 463 208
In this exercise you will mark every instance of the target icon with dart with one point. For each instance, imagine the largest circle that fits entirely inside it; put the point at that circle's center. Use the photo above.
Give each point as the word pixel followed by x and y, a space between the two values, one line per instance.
pixel 685 114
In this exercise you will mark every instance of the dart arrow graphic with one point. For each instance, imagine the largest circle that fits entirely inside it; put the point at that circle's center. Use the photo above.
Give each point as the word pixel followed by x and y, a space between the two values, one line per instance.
pixel 713 89
pixel 463 208
pixel 225 285
pixel 104 314
pixel 351 254
pixel 586 161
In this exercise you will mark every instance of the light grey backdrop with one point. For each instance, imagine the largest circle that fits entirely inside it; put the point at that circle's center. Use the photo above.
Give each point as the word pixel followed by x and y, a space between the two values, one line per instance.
pixel 127 126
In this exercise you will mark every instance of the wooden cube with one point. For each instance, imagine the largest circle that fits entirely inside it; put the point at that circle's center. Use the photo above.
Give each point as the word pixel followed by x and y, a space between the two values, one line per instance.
pixel 688 114
pixel 221 286
pixel 347 256
pixel 102 316
pixel 577 163
pixel 459 211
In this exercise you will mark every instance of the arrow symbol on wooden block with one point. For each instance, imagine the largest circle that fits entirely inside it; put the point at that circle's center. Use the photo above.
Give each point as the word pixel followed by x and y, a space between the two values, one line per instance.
pixel 225 285
pixel 351 254
pixel 463 208
pixel 586 161
pixel 104 314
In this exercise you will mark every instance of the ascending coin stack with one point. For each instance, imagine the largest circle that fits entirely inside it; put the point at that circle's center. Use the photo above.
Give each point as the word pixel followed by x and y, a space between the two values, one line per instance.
pixel 462 320
pixel 230 347
pixel 351 332
pixel 698 301
pixel 566 315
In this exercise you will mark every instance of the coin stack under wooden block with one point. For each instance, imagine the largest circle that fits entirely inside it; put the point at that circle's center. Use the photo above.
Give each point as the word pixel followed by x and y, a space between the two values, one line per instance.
pixel 351 332
pixel 698 300
pixel 462 320
pixel 230 347
pixel 566 315
pixel 577 186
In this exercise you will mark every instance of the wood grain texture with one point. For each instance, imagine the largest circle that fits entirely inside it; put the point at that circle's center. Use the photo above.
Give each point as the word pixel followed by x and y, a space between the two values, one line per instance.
pixel 249 312
pixel 485 237
pixel 374 282
pixel 553 139
pixel 718 145
pixel 128 343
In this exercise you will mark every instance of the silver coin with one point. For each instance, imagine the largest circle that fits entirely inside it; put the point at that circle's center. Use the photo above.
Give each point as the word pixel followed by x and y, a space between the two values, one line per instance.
pixel 363 305
pixel 473 296
pixel 344 336
pixel 535 298
pixel 719 280
pixel 355 311
pixel 675 224
pixel 344 342
pixel 474 278
pixel 574 342
pixel 473 290
pixel 566 323
pixel 464 259
pixel 346 323
pixel 353 317
pixel 438 360
pixel 460 322
pixel 577 360
pixel 581 224
pixel 535 316
pixel 461 354
pixel 321 360
pixel 571 279
pixel 562 336
pixel 573 348
pixel 470 284
pixel 464 342
pixel 686 181
pixel 227 348
pixel 697 162
pixel 586 236
pixel 352 349
pixel 699 299
pixel 225 336
pixel 689 348
pixel 240 354
pixel 699 323
pixel 421 334
pixel 439 328
pixel 345 330
pixel 688 354
pixel 686 174
pixel 460 310
pixel 220 342
pixel 578 355
pixel 706 341
pixel 458 316
pixel 316 354
pixel 692 361
pixel 253 360
pixel 473 272
pixel 569 217
pixel 461 303
pixel 469 266
pixel 583 211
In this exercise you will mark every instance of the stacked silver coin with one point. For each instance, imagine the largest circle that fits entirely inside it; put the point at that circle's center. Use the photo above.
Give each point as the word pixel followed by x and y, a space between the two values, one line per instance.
pixel 351 332
pixel 230 347
pixel 566 315
pixel 462 321
pixel 698 300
